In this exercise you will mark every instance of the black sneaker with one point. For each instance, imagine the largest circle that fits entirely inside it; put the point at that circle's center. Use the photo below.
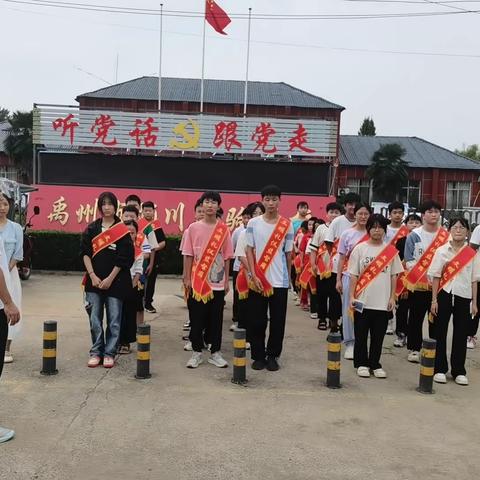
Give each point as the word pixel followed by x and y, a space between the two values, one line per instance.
pixel 150 309
pixel 258 365
pixel 322 324
pixel 272 364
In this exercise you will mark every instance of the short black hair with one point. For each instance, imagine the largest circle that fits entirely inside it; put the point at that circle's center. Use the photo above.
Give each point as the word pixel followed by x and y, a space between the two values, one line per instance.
pixel 148 204
pixel 320 221
pixel 219 212
pixel 131 222
pixel 377 219
pixel 351 197
pixel 396 206
pixel 334 206
pixel 271 191
pixel 429 205
pixel 131 208
pixel 304 225
pixel 107 196
pixel 412 216
pixel 256 205
pixel 198 203
pixel 303 203
pixel 211 195
pixel 313 219
pixel 360 205
pixel 133 198
pixel 454 220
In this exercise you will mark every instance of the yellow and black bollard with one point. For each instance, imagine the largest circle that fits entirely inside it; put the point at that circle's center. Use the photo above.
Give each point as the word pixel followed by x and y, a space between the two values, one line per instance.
pixel 333 365
pixel 427 366
pixel 143 352
pixel 49 360
pixel 239 356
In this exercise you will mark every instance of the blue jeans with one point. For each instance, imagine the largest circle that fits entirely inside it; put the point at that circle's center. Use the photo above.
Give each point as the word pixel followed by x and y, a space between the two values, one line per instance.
pixel 347 322
pixel 104 344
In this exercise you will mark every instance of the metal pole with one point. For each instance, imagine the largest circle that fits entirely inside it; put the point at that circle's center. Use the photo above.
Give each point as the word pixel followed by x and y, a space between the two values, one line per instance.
pixel 248 62
pixel 160 61
pixel 203 60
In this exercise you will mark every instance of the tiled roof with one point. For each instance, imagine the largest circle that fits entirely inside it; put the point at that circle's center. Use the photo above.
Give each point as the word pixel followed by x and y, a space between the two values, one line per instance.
pixel 215 91
pixel 356 150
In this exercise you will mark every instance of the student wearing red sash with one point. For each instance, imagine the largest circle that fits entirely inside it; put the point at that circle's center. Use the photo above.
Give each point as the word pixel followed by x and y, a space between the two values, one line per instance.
pixel 148 212
pixel 416 245
pixel 134 301
pixel 304 259
pixel 455 270
pixel 403 304
pixel 472 332
pixel 348 241
pixel 108 254
pixel 326 292
pixel 373 268
pixel 269 249
pixel 207 248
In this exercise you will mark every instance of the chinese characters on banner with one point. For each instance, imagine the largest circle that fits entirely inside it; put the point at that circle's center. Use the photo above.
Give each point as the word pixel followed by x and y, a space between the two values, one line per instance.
pixel 57 126
pixel 71 209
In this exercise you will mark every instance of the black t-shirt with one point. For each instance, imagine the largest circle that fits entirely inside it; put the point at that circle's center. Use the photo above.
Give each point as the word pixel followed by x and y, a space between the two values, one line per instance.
pixel 160 238
pixel 401 247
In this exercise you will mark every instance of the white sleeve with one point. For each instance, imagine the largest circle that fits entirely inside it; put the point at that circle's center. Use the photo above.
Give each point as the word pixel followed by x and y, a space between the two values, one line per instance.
pixel 240 249
pixel 475 238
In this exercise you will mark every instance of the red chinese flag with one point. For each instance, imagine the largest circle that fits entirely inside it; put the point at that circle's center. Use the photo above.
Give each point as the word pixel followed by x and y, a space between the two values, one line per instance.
pixel 216 17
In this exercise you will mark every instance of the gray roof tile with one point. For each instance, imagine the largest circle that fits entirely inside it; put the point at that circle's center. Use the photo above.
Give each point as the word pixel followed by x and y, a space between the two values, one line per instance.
pixel 358 151
pixel 216 91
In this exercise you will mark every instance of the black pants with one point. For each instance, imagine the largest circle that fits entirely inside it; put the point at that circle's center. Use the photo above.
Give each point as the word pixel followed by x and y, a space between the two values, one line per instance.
pixel 150 286
pixel 459 307
pixel 242 317
pixel 235 298
pixel 313 301
pixel 401 316
pixel 128 328
pixel 329 300
pixel 3 337
pixel 420 303
pixel 209 317
pixel 258 306
pixel 472 331
pixel 293 278
pixel 373 322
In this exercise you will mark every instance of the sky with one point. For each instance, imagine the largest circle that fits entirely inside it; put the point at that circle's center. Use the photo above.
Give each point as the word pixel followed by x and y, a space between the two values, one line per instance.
pixel 429 90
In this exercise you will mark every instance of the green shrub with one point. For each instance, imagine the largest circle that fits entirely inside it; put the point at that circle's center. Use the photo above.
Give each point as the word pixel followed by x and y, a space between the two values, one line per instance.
pixel 53 250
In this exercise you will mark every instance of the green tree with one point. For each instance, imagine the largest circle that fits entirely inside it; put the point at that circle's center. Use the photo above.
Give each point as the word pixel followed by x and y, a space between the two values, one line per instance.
pixel 368 128
pixel 388 171
pixel 472 151
pixel 18 144
pixel 4 113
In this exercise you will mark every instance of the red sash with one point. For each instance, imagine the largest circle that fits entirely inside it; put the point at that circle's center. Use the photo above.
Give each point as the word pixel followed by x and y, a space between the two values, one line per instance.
pixel 138 246
pixel 363 239
pixel 201 289
pixel 401 233
pixel 308 279
pixel 266 258
pixel 456 265
pixel 416 278
pixel 241 283
pixel 297 262
pixel 333 252
pixel 323 270
pixel 109 237
pixel 156 225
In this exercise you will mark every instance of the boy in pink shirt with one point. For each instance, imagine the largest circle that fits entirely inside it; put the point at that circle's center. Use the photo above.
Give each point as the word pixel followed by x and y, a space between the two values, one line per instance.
pixel 207 250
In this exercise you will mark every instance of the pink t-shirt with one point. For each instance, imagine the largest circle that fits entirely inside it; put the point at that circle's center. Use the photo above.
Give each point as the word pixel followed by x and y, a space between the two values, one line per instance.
pixel 195 240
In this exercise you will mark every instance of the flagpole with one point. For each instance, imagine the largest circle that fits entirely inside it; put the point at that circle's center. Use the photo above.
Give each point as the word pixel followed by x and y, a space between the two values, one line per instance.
pixel 248 62
pixel 160 61
pixel 203 58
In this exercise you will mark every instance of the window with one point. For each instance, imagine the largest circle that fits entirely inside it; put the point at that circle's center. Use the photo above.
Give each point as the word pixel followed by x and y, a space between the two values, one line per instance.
pixel 360 186
pixel 458 195
pixel 411 193
pixel 8 172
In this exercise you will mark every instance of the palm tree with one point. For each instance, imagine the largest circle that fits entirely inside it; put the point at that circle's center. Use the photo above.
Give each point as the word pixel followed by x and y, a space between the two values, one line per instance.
pixel 18 144
pixel 388 171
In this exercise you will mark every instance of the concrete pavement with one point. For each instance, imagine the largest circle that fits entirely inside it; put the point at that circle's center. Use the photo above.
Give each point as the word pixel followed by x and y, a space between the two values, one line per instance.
pixel 188 424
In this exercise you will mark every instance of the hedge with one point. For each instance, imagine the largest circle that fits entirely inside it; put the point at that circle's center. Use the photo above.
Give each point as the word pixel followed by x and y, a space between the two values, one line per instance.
pixel 54 250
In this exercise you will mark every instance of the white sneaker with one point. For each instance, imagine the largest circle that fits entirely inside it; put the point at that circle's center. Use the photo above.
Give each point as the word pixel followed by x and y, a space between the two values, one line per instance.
pixel 348 355
pixel 380 373
pixel 363 372
pixel 233 326
pixel 400 341
pixel 461 380
pixel 186 325
pixel 440 378
pixel 247 346
pixel 414 357
pixel 188 347
pixel 217 360
pixel 297 302
pixel 390 329
pixel 8 358
pixel 195 360
pixel 6 434
pixel 314 316
pixel 471 342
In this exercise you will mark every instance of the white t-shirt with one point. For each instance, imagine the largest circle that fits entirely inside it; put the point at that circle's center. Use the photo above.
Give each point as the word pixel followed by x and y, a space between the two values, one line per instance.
pixel 336 228
pixel 235 236
pixel 475 238
pixel 241 246
pixel 6 272
pixel 137 266
pixel 257 236
pixel 377 294
pixel 391 232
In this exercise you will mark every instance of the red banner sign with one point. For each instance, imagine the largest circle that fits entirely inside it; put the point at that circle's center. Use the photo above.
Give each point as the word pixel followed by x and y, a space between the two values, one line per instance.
pixel 71 209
